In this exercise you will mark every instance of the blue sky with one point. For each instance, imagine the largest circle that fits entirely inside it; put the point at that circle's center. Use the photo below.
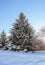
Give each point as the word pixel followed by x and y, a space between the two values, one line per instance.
pixel 10 9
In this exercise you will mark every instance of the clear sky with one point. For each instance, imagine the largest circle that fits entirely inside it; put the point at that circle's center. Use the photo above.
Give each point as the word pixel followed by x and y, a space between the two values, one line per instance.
pixel 10 9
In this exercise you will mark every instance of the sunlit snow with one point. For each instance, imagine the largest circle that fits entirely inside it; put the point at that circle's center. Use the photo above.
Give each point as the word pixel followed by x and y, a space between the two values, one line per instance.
pixel 22 58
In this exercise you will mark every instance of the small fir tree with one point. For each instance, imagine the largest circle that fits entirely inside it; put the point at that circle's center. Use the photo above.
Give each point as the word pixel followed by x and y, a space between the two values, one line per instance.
pixel 3 38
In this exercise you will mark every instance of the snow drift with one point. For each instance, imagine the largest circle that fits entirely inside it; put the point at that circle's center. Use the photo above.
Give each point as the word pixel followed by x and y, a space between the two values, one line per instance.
pixel 22 58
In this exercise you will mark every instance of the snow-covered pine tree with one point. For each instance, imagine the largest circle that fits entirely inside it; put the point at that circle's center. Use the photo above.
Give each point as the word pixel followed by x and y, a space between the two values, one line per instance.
pixel 3 38
pixel 22 33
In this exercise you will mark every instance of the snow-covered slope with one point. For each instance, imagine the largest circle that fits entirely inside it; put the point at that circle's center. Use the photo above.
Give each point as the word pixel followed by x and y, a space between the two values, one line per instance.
pixel 22 58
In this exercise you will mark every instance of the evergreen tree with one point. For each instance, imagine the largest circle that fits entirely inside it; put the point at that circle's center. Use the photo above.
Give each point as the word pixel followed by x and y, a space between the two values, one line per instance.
pixel 22 33
pixel 3 38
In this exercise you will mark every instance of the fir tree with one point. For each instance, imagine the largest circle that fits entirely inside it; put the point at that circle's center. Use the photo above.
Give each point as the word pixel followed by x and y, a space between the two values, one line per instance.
pixel 22 33
pixel 3 38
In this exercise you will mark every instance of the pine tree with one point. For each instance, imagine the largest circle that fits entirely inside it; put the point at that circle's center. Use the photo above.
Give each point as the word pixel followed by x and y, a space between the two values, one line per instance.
pixel 22 33
pixel 3 38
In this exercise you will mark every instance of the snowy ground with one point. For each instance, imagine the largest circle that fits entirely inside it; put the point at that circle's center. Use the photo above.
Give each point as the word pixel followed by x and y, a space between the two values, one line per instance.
pixel 22 58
